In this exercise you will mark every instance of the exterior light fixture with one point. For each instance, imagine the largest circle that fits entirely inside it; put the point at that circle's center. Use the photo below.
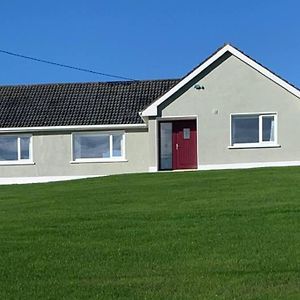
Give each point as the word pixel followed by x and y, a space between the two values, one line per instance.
pixel 198 87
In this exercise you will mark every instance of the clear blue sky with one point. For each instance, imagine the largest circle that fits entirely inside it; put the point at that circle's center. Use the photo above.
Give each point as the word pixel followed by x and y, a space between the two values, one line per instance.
pixel 143 39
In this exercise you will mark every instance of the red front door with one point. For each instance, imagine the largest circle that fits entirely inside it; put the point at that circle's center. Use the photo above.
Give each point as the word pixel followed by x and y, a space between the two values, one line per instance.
pixel 178 145
pixel 184 141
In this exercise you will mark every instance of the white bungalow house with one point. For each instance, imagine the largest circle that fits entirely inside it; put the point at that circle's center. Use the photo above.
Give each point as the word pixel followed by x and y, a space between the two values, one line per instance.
pixel 229 112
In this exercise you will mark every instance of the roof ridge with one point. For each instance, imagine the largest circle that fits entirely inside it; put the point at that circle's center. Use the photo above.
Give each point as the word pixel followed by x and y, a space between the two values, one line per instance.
pixel 89 83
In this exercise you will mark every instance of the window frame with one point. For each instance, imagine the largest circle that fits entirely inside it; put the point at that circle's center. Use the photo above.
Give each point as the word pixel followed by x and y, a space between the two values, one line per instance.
pixel 19 161
pixel 260 143
pixel 106 159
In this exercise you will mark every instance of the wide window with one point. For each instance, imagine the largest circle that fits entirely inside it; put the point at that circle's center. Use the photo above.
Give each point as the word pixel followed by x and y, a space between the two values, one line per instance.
pixel 15 148
pixel 254 130
pixel 98 146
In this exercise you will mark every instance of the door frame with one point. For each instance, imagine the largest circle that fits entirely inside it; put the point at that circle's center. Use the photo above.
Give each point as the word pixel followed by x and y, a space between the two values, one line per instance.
pixel 157 136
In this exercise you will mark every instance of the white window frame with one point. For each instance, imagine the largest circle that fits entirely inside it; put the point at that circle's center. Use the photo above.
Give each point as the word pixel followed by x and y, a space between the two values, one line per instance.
pixel 261 143
pixel 106 159
pixel 19 161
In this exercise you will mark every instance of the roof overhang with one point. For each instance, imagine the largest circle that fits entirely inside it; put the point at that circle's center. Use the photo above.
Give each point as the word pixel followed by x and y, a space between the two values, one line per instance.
pixel 73 128
pixel 151 110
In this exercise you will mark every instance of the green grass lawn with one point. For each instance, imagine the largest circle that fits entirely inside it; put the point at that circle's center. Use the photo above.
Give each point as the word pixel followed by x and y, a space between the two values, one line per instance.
pixel 188 235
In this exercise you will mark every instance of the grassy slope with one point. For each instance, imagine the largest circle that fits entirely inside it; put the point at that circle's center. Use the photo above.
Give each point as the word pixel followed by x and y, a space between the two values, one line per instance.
pixel 207 235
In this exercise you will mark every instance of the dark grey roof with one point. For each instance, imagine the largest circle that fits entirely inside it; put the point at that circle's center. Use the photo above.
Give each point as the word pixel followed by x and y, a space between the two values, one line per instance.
pixel 67 104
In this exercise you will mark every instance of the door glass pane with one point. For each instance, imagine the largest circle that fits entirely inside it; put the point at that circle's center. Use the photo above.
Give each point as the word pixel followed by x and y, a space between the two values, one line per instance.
pixel 268 128
pixel 165 146
pixel 117 145
pixel 245 129
pixel 91 146
pixel 25 143
pixel 186 133
pixel 9 148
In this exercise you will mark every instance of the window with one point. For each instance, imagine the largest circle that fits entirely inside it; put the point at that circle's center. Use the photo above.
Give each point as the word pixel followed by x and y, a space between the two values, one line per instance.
pixel 15 148
pixel 186 133
pixel 254 130
pixel 166 145
pixel 98 146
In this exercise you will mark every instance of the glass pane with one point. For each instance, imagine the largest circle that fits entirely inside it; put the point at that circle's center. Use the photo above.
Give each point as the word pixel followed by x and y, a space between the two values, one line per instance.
pixel 25 143
pixel 91 146
pixel 117 145
pixel 186 133
pixel 245 129
pixel 165 146
pixel 268 128
pixel 9 148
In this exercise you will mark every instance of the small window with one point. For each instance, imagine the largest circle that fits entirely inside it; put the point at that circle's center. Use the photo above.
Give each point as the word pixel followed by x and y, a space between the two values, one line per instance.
pixel 98 146
pixel 268 128
pixel 166 145
pixel 25 147
pixel 186 133
pixel 117 145
pixel 253 130
pixel 15 148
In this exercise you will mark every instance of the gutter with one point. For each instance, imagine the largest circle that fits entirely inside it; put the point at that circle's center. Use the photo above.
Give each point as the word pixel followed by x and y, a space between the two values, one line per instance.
pixel 71 128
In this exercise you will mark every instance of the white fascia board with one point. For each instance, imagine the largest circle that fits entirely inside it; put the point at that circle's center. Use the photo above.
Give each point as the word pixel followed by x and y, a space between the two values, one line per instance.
pixel 264 71
pixel 152 109
pixel 71 128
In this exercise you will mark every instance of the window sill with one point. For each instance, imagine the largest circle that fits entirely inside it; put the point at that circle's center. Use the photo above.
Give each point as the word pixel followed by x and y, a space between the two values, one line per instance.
pixel 16 163
pixel 253 146
pixel 83 161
